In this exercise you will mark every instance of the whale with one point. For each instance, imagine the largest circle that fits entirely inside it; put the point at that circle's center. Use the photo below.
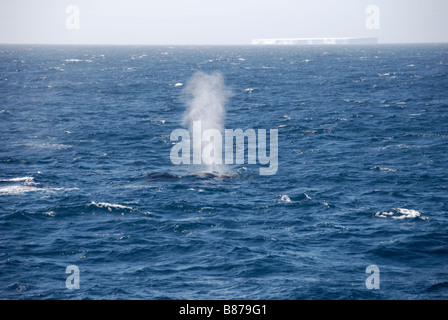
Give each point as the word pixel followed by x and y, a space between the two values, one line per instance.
pixel 206 174
pixel 165 176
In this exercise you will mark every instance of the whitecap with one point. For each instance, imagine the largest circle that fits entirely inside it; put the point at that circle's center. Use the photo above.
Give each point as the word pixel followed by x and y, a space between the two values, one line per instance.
pixel 400 214
pixel 59 146
pixel 158 121
pixel 20 288
pixel 56 68
pixel 109 206
pixel 332 225
pixel 22 185
pixel 325 203
pixel 26 180
pixel 383 169
pixel 207 209
pixel 14 190
pixel 285 198
pixel 17 190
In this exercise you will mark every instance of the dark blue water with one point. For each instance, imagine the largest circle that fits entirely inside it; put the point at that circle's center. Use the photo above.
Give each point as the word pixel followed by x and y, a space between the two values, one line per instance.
pixel 86 178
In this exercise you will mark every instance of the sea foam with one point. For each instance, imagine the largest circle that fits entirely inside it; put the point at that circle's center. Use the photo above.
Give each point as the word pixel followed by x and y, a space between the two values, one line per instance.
pixel 400 214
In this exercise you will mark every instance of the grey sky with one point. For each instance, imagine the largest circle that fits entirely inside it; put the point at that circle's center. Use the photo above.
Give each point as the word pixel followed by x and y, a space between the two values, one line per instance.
pixel 218 21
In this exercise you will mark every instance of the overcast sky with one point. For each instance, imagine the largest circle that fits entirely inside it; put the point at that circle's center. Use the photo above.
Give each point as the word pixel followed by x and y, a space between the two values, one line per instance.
pixel 218 21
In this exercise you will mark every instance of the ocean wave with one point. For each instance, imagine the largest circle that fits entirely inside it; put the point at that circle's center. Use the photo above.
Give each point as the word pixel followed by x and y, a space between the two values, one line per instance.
pixel 56 68
pixel 59 146
pixel 26 180
pixel 348 193
pixel 21 190
pixel 24 185
pixel 284 198
pixel 109 206
pixel 18 185
pixel 17 190
pixel 379 168
pixel 400 214
pixel 113 207
pixel 158 121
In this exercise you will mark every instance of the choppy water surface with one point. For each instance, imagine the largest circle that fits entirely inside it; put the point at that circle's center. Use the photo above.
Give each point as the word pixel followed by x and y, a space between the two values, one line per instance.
pixel 86 177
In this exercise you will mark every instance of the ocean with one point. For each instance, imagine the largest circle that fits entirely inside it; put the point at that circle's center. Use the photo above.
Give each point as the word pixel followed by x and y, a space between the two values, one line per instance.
pixel 93 207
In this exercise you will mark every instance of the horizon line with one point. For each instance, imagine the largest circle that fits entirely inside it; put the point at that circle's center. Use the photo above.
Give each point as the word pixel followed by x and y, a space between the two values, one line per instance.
pixel 213 44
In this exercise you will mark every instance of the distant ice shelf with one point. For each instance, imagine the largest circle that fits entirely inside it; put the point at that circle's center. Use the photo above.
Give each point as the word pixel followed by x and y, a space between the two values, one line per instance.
pixel 308 41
